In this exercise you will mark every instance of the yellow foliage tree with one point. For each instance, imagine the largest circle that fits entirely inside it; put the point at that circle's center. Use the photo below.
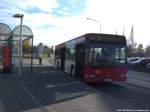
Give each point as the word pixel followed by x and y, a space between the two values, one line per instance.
pixel 26 44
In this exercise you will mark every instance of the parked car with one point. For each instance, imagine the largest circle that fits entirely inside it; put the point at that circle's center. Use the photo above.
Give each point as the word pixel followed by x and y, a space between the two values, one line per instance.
pixel 148 66
pixel 141 63
pixel 132 59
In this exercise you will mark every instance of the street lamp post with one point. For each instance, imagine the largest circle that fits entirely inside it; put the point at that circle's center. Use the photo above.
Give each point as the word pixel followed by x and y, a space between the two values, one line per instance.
pixel 20 42
pixel 95 21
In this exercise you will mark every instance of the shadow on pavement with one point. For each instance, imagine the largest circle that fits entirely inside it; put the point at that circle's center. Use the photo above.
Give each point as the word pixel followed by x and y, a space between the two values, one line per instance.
pixel 50 86
pixel 12 97
pixel 45 84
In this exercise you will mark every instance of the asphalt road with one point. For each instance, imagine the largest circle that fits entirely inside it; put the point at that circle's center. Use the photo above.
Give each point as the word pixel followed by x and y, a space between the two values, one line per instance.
pixel 48 90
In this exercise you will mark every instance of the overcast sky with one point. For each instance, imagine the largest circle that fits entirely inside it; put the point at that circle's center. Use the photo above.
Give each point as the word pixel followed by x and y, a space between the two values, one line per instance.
pixel 56 21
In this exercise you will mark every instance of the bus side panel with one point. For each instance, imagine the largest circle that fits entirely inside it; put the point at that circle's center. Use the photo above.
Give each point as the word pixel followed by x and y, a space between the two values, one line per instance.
pixel 70 67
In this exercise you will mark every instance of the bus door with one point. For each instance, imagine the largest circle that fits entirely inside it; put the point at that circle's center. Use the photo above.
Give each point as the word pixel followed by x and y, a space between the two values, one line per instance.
pixel 1 57
pixel 79 60
pixel 62 52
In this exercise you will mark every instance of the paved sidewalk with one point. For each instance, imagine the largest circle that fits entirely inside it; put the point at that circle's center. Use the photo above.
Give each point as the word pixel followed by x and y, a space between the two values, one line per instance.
pixel 13 98
pixel 47 86
pixel 49 90
pixel 57 92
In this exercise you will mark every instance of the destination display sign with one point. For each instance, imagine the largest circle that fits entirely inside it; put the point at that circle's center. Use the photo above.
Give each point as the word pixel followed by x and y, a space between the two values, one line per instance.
pixel 107 38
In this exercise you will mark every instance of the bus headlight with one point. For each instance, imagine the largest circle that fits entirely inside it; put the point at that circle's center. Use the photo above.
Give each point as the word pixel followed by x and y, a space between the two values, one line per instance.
pixel 97 71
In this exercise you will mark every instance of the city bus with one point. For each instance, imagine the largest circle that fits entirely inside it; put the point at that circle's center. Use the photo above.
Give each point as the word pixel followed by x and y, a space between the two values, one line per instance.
pixel 93 57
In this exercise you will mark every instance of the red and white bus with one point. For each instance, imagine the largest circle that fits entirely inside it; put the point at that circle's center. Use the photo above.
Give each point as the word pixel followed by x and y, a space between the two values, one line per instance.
pixel 93 57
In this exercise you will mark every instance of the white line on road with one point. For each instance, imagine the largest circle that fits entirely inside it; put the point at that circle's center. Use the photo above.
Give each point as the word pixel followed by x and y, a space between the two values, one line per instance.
pixel 69 83
pixel 50 86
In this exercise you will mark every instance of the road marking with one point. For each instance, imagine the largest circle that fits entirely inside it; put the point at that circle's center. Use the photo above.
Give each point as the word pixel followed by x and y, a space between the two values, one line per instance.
pixel 31 96
pixel 69 83
pixel 50 86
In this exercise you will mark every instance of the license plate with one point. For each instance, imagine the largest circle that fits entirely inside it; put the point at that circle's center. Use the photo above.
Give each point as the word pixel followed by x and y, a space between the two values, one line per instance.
pixel 108 80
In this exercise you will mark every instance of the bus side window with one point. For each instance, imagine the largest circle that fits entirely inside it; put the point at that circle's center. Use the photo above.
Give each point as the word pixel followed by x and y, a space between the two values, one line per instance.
pixel 87 56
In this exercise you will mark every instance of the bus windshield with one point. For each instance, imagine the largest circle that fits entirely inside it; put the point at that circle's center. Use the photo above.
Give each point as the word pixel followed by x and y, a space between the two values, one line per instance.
pixel 106 55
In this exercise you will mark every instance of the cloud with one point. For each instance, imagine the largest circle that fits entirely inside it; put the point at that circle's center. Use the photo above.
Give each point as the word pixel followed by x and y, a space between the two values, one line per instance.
pixel 59 29
pixel 44 5
pixel 114 14
pixel 55 21
pixel 46 27
pixel 72 2
pixel 63 12
pixel 65 8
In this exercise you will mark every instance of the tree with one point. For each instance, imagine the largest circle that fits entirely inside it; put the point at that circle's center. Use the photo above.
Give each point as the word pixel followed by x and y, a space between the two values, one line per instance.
pixel 147 51
pixel 26 46
pixel 140 50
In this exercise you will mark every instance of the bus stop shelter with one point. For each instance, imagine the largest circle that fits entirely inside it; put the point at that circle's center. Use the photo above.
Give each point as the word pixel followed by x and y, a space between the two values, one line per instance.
pixel 27 43
pixel 9 47
pixel 5 47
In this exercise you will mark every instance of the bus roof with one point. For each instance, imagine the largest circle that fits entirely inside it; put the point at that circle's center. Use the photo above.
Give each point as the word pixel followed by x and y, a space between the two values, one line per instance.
pixel 96 37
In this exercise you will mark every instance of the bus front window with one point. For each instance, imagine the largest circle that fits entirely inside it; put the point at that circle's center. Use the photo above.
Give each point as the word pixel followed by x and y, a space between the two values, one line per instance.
pixel 107 56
